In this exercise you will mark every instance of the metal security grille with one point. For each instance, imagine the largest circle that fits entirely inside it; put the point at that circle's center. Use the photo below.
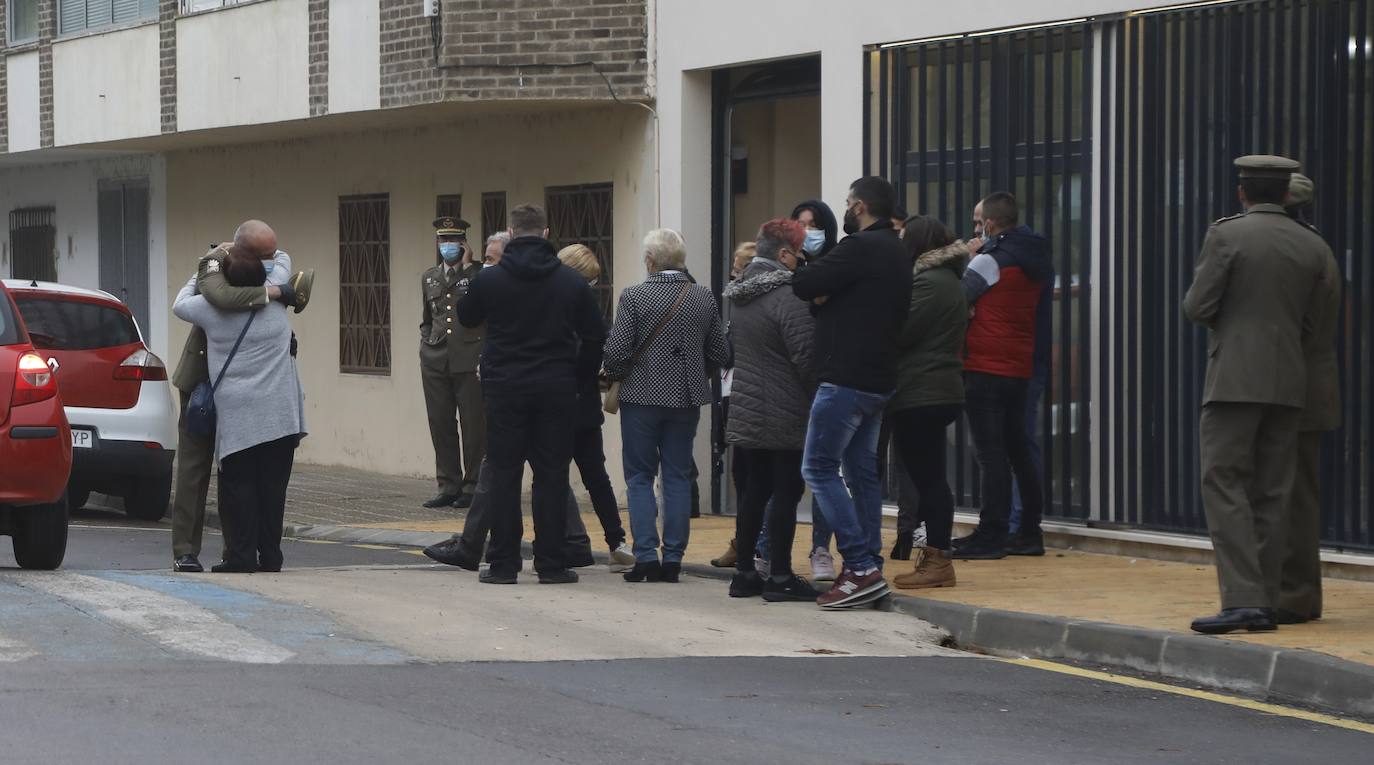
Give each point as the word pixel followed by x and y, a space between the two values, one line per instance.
pixel 447 205
pixel 365 284
pixel 33 243
pixel 583 215
pixel 1187 92
pixel 959 119
pixel 493 213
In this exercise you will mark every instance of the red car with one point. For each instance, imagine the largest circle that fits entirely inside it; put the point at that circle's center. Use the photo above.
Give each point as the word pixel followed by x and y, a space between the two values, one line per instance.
pixel 35 448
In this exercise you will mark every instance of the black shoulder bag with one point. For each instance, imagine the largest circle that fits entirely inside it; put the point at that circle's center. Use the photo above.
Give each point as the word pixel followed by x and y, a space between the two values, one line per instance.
pixel 200 409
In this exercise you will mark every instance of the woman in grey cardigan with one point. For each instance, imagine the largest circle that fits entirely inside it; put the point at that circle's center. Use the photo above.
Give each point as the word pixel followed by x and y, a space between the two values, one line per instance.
pixel 775 380
pixel 261 416
pixel 661 396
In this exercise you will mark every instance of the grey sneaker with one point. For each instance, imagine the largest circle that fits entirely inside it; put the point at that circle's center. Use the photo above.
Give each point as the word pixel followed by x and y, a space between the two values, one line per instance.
pixel 622 559
pixel 822 565
pixel 762 566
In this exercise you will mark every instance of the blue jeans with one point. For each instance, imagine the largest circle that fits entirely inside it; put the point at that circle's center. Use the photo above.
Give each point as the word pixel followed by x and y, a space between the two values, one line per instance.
pixel 1035 390
pixel 843 433
pixel 654 437
pixel 820 531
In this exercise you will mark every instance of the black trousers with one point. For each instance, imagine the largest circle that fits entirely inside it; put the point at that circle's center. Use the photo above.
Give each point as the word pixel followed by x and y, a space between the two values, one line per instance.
pixel 589 452
pixel 776 475
pixel 996 409
pixel 252 487
pixel 919 434
pixel 909 508
pixel 534 428
pixel 477 520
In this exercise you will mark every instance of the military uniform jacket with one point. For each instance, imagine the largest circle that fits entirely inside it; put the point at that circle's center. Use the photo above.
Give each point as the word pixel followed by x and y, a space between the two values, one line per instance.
pixel 1323 409
pixel 1256 289
pixel 193 369
pixel 444 343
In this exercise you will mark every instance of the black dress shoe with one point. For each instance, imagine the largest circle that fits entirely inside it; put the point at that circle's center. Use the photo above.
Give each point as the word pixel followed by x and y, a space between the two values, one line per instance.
pixel 958 542
pixel 746 584
pixel 649 571
pixel 981 547
pixel 561 576
pixel 224 567
pixel 269 566
pixel 1232 619
pixel 443 500
pixel 492 577
pixel 1026 543
pixel 452 552
pixel 187 564
pixel 1284 616
pixel 464 501
pixel 670 572
pixel 581 559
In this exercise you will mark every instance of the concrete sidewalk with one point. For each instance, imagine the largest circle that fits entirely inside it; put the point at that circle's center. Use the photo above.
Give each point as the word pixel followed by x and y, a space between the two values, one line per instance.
pixel 1130 612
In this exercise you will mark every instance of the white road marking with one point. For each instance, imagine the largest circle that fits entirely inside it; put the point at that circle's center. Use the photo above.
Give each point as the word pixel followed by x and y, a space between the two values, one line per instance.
pixel 172 622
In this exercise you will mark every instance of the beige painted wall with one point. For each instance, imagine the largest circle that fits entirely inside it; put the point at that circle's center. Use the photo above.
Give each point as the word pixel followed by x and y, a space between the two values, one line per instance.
pixel 378 423
pixel 783 140
pixel 106 86
pixel 21 75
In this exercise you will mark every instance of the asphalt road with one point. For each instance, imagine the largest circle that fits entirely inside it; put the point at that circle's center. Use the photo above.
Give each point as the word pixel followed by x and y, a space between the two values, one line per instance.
pixel 363 655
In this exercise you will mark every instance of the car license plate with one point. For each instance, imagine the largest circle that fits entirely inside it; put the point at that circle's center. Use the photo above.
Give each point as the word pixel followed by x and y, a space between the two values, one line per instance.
pixel 83 439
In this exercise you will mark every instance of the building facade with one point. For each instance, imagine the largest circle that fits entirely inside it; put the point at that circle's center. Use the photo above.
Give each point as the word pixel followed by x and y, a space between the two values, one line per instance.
pixel 136 132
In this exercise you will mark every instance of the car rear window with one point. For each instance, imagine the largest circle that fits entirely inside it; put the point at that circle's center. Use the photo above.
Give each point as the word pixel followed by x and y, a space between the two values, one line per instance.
pixel 9 328
pixel 72 325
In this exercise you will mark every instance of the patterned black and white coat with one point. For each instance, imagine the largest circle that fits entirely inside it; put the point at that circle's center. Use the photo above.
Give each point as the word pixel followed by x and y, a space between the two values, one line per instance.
pixel 672 371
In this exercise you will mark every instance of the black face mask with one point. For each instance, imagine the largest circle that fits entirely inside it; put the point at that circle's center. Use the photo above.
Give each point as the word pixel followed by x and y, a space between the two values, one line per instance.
pixel 851 223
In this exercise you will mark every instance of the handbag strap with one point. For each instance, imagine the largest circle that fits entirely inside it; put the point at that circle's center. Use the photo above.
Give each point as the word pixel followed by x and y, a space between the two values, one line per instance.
pixel 677 304
pixel 235 350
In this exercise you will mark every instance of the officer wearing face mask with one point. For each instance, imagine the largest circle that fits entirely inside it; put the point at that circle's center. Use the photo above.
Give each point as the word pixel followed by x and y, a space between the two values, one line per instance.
pixel 449 355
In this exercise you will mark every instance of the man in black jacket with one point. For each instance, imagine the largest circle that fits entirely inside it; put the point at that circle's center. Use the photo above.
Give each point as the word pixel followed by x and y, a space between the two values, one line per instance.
pixel 861 290
pixel 539 313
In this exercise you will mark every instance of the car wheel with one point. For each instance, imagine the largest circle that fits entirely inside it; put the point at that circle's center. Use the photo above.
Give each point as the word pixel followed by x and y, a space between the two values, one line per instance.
pixel 78 496
pixel 147 500
pixel 40 535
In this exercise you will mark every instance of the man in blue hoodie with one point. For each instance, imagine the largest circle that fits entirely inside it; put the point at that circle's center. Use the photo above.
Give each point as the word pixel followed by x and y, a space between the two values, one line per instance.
pixel 539 314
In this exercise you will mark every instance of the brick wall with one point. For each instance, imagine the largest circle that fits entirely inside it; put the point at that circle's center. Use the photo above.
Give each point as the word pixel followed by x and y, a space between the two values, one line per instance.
pixel 167 63
pixel 47 30
pixel 319 57
pixel 514 49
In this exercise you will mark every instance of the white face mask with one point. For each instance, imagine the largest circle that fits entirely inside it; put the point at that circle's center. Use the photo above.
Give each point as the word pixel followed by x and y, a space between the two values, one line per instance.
pixel 815 240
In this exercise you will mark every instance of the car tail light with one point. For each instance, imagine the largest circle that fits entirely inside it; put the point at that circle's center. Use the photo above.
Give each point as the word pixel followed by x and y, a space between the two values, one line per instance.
pixel 141 365
pixel 33 381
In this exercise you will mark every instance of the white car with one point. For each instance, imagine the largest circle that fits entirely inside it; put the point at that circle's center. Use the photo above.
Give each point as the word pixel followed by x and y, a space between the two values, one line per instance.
pixel 118 400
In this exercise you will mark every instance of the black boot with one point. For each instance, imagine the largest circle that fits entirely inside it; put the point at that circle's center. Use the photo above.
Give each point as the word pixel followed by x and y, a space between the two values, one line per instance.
pixel 902 550
pixel 644 571
pixel 670 572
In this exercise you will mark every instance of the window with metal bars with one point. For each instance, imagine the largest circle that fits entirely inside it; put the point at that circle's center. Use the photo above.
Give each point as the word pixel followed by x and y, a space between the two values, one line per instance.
pixel 493 213
pixel 365 284
pixel 33 243
pixel 583 215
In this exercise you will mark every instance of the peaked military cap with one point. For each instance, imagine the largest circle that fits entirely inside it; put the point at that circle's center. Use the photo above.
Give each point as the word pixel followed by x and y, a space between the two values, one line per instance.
pixel 447 225
pixel 1267 166
pixel 1299 190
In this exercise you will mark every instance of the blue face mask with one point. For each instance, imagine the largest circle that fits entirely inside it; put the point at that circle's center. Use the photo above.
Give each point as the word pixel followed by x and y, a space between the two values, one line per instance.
pixel 815 240
pixel 449 251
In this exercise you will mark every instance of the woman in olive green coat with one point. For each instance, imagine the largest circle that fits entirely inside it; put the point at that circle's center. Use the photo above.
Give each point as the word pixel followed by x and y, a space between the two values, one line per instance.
pixel 930 386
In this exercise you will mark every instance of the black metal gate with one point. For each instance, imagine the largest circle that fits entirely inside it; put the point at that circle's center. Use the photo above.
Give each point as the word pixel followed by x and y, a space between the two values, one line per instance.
pixel 1118 134
pixel 1008 112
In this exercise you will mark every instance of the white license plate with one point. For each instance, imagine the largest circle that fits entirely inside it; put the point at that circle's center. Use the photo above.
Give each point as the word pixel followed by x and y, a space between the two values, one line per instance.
pixel 83 439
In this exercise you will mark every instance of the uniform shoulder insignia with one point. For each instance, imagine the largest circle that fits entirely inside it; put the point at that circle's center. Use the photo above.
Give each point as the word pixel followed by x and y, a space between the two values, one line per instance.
pixel 212 265
pixel 1237 216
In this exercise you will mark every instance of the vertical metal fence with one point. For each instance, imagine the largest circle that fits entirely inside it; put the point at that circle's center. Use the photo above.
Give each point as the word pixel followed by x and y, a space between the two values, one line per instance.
pixel 1117 135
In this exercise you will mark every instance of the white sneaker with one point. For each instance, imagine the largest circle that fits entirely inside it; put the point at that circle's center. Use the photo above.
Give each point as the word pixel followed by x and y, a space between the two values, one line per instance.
pixel 622 558
pixel 822 565
pixel 918 537
pixel 764 567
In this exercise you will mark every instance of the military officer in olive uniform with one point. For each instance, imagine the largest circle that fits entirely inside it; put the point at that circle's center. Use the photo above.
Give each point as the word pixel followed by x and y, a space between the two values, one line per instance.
pixel 1256 288
pixel 1300 591
pixel 449 356
pixel 195 453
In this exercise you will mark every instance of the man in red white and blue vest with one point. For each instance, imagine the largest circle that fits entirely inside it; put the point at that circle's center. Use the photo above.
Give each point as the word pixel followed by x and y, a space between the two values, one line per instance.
pixel 1004 285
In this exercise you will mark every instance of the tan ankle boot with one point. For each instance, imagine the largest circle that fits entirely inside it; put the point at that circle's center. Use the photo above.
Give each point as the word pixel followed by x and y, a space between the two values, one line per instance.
pixel 727 560
pixel 934 569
